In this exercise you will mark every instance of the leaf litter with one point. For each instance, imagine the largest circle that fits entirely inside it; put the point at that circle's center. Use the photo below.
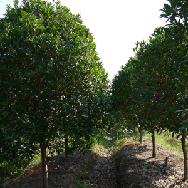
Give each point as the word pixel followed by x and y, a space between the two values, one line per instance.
pixel 129 165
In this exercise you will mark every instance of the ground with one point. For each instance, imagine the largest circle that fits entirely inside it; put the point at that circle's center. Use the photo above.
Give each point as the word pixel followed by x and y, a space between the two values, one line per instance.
pixel 136 167
pixel 126 166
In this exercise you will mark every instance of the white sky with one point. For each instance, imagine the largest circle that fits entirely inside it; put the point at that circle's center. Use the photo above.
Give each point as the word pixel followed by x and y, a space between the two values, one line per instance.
pixel 116 25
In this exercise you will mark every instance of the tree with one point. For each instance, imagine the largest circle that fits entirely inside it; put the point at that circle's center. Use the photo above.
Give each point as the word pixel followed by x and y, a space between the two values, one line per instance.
pixel 51 77
pixel 176 13
pixel 152 98
pixel 124 97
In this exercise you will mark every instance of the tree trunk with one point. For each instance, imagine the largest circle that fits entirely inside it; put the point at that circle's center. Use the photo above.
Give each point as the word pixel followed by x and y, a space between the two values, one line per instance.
pixel 44 166
pixel 66 148
pixel 173 135
pixel 134 130
pixel 140 134
pixel 153 143
pixel 184 149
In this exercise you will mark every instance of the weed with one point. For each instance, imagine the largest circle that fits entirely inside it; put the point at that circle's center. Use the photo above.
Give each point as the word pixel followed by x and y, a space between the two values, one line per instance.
pixel 82 184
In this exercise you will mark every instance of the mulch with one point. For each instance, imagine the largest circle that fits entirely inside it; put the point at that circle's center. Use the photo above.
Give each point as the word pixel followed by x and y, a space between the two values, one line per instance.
pixel 131 165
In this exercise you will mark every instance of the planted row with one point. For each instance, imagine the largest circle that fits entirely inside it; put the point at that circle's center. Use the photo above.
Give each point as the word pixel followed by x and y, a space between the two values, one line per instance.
pixel 151 89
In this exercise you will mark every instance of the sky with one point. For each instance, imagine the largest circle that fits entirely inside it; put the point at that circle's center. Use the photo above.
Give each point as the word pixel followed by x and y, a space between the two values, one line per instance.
pixel 115 24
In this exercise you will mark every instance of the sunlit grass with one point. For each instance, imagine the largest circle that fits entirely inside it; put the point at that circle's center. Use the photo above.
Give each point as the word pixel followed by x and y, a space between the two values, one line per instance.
pixel 12 172
pixel 109 142
pixel 101 143
pixel 165 139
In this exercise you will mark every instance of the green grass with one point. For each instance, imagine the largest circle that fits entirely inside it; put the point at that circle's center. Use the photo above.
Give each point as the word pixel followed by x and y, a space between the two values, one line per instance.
pixel 165 139
pixel 82 184
pixel 101 143
pixel 109 141
pixel 102 139
pixel 13 167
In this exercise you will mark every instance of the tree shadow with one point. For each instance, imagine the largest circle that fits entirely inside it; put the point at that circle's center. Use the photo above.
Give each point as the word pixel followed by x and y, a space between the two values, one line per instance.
pixel 129 170
pixel 62 173
pixel 133 171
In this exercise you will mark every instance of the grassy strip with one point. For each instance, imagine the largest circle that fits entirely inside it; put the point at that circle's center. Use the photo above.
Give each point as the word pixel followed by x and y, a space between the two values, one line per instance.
pixel 165 139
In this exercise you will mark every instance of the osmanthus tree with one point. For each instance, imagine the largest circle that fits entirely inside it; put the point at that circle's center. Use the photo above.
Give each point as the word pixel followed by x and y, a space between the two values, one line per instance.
pixel 176 13
pixel 151 99
pixel 88 111
pixel 158 75
pixel 52 81
pixel 159 78
pixel 124 96
pixel 164 60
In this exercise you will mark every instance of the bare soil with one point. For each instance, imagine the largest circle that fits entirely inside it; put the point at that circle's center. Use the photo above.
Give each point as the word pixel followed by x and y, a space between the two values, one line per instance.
pixel 131 165
pixel 136 168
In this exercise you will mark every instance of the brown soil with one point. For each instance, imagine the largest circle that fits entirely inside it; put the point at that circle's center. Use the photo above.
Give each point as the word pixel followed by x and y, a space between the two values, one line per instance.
pixel 129 166
pixel 136 167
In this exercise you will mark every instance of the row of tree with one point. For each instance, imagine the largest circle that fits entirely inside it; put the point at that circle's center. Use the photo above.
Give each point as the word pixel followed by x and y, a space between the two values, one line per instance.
pixel 54 89
pixel 53 85
pixel 151 89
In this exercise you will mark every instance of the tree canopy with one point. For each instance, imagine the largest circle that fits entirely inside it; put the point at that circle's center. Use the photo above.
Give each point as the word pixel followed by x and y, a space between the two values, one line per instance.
pixel 52 80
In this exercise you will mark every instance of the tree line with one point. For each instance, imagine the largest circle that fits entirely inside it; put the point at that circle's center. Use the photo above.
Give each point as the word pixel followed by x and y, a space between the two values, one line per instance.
pixel 55 92
pixel 151 91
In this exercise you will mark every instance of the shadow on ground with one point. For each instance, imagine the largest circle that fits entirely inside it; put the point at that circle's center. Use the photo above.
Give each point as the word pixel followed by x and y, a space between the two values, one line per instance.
pixel 62 173
pixel 130 163
pixel 137 172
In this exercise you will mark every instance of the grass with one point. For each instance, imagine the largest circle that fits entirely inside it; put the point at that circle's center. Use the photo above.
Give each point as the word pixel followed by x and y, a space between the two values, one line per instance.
pixel 108 142
pixel 165 139
pixel 101 140
pixel 82 184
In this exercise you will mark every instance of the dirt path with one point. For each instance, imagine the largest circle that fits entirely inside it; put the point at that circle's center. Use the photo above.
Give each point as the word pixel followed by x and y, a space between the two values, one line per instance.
pixel 135 167
pixel 130 166
pixel 104 172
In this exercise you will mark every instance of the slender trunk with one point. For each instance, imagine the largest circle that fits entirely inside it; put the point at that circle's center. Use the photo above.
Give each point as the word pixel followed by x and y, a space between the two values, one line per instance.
pixel 140 134
pixel 184 149
pixel 44 166
pixel 134 130
pixel 153 143
pixel 173 135
pixel 66 148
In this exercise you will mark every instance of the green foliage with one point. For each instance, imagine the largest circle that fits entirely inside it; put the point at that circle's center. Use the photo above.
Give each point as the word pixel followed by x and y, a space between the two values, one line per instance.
pixel 52 82
pixel 82 184
pixel 176 9
pixel 151 88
